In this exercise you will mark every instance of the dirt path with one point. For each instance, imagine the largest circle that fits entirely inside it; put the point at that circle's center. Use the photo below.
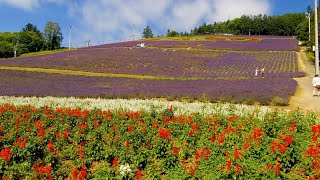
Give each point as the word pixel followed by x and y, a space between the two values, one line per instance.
pixel 303 98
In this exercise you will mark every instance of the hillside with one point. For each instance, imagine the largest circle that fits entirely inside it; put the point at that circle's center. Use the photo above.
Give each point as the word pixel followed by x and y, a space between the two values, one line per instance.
pixel 207 68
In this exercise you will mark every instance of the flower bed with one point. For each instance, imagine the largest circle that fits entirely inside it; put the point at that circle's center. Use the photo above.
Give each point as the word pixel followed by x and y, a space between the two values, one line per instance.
pixel 178 63
pixel 45 143
pixel 269 90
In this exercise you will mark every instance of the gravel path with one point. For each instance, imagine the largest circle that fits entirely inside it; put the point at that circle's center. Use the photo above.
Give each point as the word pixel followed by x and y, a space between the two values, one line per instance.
pixel 303 98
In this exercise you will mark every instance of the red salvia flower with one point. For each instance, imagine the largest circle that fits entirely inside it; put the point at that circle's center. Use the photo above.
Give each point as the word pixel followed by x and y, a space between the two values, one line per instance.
pixel 65 133
pixel 115 162
pixel 228 165
pixel 257 133
pixel 289 140
pixel 175 150
pixel 246 146
pixel 148 145
pixel 212 139
pixel 83 173
pixel 6 154
pixel 41 131
pixel 314 138
pixel 131 128
pixel 83 125
pixel 155 124
pixel 277 168
pixel 237 154
pixel 74 173
pixel 57 134
pixel 17 124
pixel 239 169
pixel 195 126
pixel 127 143
pixel 221 138
pixel 228 129
pixel 50 146
pixel 164 133
pixel 283 148
pixel 139 174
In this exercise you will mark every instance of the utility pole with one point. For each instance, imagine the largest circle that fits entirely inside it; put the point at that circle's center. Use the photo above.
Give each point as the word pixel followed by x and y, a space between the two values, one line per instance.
pixel 15 51
pixel 309 19
pixel 70 27
pixel 133 34
pixel 316 36
pixel 88 43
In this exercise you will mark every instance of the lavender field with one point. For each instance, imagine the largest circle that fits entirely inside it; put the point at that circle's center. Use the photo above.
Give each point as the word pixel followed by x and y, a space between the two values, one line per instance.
pixel 178 63
pixel 212 73
pixel 248 91
pixel 264 43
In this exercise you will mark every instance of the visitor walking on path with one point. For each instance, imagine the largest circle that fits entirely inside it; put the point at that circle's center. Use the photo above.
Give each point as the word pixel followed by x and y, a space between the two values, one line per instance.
pixel 316 85
pixel 262 72
pixel 257 72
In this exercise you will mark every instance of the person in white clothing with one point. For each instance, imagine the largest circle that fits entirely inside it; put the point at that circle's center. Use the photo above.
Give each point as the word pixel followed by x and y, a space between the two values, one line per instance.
pixel 316 85
pixel 256 73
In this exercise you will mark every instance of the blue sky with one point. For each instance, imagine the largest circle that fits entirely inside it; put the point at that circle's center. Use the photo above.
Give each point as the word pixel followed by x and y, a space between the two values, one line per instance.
pixel 105 21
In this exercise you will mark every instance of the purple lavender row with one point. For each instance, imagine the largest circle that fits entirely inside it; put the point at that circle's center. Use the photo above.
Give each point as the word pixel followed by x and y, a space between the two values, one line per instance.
pixel 265 91
pixel 275 44
pixel 160 62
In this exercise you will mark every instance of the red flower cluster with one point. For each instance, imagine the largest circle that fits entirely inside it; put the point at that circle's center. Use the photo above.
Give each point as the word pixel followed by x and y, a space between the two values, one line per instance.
pixel 257 133
pixel 275 168
pixel 50 146
pixel 175 150
pixel 164 133
pixel 131 128
pixel 83 125
pixel 127 143
pixel 65 133
pixel 76 175
pixel 21 143
pixel 281 144
pixel 195 128
pixel 42 169
pixel 237 154
pixel 155 124
pixel 6 154
pixel 115 162
pixel 203 153
pixel 232 118
pixel 40 128
pixel 139 174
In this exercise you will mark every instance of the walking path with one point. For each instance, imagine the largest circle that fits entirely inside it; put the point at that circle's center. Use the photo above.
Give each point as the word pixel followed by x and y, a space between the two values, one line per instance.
pixel 303 98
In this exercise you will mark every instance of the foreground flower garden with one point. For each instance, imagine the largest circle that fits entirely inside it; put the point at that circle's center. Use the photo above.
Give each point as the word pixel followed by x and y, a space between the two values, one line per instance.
pixel 154 142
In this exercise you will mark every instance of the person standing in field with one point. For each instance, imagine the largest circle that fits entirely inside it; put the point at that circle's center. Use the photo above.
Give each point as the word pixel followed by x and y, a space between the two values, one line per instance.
pixel 262 72
pixel 316 85
pixel 256 73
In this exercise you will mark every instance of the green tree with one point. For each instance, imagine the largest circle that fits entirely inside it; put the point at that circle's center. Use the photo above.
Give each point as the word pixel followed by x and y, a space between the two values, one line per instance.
pixel 6 49
pixel 147 32
pixel 31 37
pixel 172 33
pixel 53 36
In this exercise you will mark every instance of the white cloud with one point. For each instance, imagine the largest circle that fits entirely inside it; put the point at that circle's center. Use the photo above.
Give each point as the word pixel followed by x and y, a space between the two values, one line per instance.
pixel 22 4
pixel 114 19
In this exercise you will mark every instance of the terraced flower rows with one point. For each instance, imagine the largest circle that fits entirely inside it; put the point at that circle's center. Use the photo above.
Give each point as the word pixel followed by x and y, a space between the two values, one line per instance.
pixel 265 44
pixel 159 62
pixel 270 90
pixel 174 69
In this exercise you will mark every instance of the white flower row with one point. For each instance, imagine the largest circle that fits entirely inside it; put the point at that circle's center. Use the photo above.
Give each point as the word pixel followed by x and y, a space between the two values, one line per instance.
pixel 185 108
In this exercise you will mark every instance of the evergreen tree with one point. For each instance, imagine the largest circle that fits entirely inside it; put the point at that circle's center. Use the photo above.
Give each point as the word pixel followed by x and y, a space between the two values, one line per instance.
pixel 147 32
